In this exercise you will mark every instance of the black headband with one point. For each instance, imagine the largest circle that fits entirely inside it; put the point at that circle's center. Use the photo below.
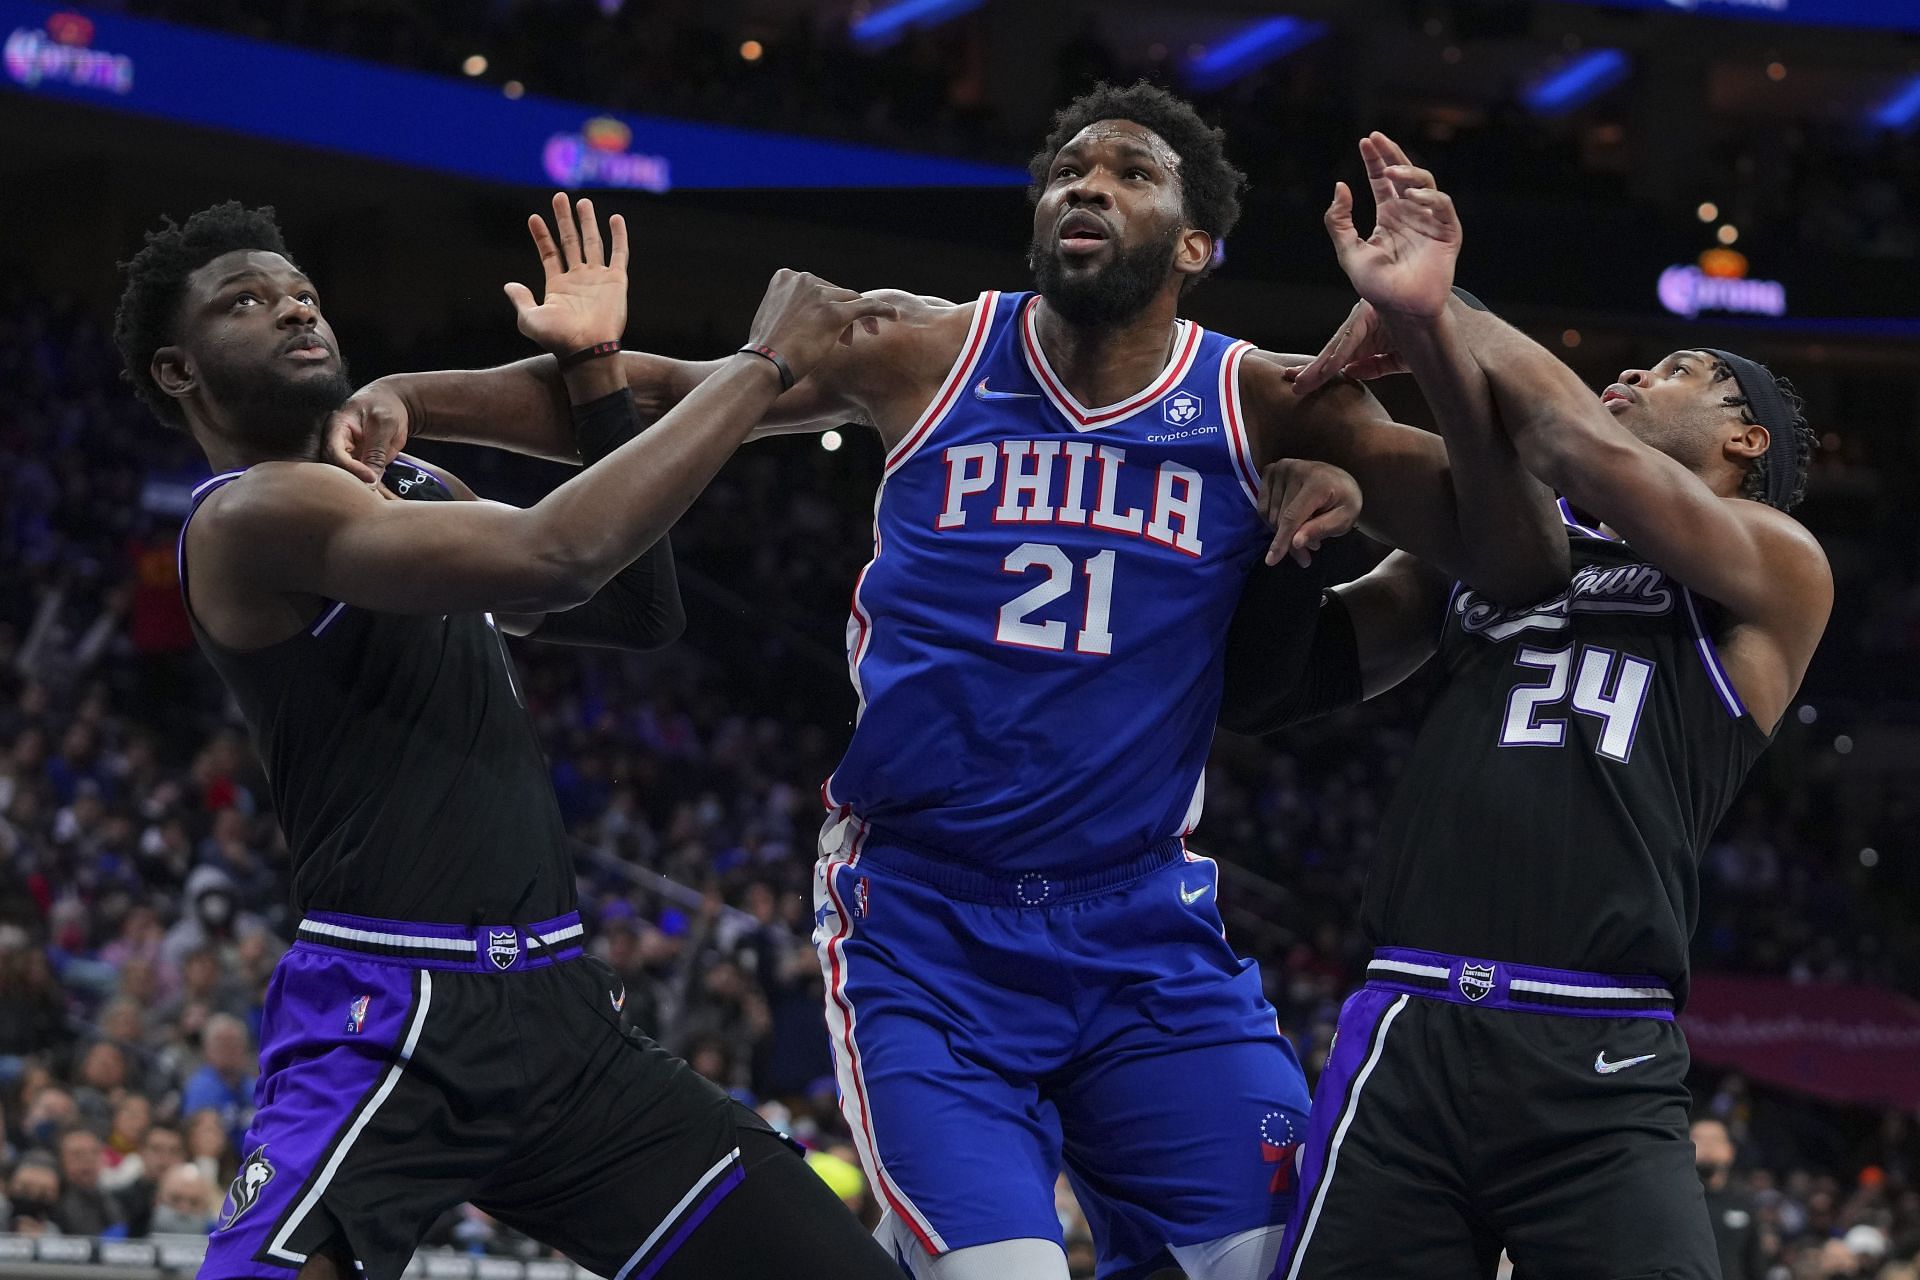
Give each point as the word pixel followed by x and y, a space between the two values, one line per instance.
pixel 1771 411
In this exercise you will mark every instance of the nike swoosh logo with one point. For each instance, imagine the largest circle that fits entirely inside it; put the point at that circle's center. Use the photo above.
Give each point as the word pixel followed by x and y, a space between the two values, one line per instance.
pixel 980 392
pixel 1195 895
pixel 1606 1068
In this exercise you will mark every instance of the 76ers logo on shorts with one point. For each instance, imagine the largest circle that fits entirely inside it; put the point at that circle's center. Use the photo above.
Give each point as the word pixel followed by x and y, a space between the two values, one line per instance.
pixel 1180 408
pixel 503 947
pixel 1476 981
pixel 255 1173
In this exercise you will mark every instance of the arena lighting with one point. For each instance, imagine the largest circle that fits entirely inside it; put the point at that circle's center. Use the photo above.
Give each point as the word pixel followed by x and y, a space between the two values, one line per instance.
pixel 1585 77
pixel 889 21
pixel 1899 111
pixel 1249 49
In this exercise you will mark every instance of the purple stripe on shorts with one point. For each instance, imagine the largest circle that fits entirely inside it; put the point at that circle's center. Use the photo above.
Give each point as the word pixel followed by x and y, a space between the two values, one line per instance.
pixel 707 1205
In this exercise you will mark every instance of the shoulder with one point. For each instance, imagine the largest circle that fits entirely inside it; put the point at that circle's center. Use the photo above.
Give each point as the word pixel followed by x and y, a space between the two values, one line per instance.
pixel 272 490
pixel 922 323
pixel 1287 423
pixel 1793 555
pixel 275 504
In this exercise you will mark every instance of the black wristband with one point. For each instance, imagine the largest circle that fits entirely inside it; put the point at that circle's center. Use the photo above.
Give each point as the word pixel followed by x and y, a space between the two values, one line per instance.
pixel 593 352
pixel 1469 299
pixel 603 425
pixel 769 354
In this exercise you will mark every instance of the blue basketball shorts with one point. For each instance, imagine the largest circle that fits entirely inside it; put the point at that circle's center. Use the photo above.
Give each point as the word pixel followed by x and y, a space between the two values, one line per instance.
pixel 990 1032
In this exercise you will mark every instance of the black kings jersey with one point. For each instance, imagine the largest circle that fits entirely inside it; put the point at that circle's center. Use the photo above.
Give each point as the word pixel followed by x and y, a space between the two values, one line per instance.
pixel 1574 762
pixel 404 770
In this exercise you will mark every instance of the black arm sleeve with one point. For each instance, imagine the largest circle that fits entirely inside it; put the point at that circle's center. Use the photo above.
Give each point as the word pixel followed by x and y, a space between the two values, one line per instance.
pixel 640 607
pixel 1290 658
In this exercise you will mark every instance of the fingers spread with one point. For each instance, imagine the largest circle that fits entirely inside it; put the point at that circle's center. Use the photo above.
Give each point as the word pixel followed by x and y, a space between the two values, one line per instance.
pixel 617 226
pixel 564 227
pixel 543 244
pixel 591 253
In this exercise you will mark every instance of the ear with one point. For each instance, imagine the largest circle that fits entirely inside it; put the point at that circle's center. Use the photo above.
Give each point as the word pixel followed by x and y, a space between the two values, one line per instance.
pixel 1750 443
pixel 1193 252
pixel 173 372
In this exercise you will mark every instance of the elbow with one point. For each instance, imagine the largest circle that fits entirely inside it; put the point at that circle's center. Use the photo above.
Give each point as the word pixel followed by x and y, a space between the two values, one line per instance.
pixel 1551 452
pixel 667 625
pixel 557 581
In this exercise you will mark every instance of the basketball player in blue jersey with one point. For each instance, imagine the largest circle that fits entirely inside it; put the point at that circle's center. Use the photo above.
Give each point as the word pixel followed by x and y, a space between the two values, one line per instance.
pixel 1026 966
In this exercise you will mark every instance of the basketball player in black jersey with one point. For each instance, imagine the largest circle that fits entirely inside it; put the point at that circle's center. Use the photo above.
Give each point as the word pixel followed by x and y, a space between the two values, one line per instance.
pixel 1511 1074
pixel 435 1036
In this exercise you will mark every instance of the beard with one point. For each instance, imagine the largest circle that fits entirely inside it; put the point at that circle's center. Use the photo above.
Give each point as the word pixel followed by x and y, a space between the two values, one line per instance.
pixel 1109 295
pixel 275 411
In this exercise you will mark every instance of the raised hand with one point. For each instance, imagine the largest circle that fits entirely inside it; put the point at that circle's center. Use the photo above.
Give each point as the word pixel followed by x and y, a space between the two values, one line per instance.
pixel 586 286
pixel 1306 503
pixel 1362 349
pixel 802 316
pixel 1406 265
pixel 366 433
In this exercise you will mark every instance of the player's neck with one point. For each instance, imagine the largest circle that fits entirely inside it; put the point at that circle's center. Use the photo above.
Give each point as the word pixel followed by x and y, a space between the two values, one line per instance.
pixel 1105 364
pixel 230 453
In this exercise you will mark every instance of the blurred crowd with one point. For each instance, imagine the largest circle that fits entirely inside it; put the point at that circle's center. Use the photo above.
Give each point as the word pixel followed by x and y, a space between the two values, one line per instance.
pixel 143 896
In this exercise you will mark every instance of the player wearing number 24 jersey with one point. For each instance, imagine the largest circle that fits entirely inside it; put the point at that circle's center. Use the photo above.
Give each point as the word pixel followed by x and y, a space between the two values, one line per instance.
pixel 1511 1075
pixel 1026 966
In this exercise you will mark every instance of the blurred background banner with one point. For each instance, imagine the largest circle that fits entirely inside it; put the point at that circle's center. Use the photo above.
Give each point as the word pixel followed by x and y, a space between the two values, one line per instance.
pixel 430 122
pixel 1842 1042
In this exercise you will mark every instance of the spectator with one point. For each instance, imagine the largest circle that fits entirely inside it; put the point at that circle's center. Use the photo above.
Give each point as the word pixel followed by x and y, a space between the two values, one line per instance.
pixel 132 1120
pixel 33 1194
pixel 103 1079
pixel 1736 1223
pixel 224 1082
pixel 187 1202
pixel 209 1147
pixel 162 1152
pixel 85 1207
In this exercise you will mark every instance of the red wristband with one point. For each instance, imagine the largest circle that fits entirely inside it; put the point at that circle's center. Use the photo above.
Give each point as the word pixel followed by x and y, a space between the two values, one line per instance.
pixel 593 352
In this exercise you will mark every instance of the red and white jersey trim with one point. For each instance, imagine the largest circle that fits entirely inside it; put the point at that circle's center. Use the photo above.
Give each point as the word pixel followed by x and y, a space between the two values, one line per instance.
pixel 839 852
pixel 951 387
pixel 1239 443
pixel 1186 344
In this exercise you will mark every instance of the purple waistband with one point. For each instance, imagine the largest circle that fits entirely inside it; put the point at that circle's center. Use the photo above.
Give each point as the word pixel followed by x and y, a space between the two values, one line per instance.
pixel 480 948
pixel 1496 984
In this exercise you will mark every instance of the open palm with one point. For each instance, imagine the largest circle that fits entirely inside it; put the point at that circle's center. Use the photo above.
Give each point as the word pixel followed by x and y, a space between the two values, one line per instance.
pixel 586 285
pixel 1406 264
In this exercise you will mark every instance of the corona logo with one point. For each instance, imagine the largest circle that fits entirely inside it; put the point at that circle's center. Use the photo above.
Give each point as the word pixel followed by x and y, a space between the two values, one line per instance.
pixel 598 156
pixel 62 53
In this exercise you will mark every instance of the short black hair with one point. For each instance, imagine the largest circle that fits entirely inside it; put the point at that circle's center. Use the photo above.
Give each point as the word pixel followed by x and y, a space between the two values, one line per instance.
pixel 157 281
pixel 1760 470
pixel 1210 186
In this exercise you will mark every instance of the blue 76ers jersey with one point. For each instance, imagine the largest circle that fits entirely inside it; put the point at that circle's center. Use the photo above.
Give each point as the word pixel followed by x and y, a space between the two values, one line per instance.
pixel 1037 642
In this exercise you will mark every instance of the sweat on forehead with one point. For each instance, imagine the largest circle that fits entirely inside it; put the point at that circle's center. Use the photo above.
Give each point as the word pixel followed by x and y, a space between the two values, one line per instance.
pixel 1127 135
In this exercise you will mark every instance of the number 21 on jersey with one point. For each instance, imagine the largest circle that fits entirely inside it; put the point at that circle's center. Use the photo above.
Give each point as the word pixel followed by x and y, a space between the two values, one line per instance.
pixel 1604 683
pixel 1093 637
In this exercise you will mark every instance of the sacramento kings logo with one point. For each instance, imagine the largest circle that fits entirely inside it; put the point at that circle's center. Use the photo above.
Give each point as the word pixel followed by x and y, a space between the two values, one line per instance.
pixel 503 947
pixel 255 1173
pixel 1476 981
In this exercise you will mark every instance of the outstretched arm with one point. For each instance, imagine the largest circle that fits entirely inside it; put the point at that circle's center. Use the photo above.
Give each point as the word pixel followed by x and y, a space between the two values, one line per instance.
pixel 871 378
pixel 639 608
pixel 310 529
pixel 1760 564
pixel 1489 520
